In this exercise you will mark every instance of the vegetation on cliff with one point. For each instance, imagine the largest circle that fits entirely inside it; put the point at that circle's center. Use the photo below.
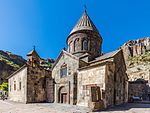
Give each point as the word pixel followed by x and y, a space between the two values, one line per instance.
pixel 142 58
pixel 9 63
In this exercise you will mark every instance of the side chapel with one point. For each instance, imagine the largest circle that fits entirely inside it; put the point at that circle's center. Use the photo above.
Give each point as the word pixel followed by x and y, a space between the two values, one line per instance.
pixel 31 83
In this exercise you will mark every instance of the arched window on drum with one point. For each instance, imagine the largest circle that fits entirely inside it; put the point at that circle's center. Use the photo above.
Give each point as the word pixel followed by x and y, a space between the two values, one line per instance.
pixel 85 44
pixel 76 45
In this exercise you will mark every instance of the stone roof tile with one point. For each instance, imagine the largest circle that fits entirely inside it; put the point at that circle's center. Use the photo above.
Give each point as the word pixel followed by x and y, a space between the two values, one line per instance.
pixel 84 23
pixel 107 55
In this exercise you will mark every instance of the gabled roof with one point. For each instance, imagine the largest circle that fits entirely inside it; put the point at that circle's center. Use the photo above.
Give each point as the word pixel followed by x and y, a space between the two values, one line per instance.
pixel 102 59
pixel 33 52
pixel 84 23
pixel 106 56
pixel 64 52
pixel 30 53
pixel 24 66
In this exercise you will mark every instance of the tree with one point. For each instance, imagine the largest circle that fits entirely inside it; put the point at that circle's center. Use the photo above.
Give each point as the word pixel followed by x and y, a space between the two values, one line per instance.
pixel 4 86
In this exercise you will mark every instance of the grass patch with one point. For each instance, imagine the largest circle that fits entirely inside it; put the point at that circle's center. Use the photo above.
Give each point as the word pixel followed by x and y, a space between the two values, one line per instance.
pixel 142 58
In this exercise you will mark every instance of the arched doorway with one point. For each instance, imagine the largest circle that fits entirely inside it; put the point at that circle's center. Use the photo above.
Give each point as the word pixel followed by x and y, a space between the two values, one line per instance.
pixel 62 95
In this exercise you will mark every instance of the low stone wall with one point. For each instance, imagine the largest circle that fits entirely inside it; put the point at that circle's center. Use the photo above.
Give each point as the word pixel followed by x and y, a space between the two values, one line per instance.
pixel 138 89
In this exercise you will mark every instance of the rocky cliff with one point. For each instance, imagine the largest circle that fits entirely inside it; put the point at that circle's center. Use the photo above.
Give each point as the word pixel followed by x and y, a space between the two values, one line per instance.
pixel 9 63
pixel 135 48
pixel 137 58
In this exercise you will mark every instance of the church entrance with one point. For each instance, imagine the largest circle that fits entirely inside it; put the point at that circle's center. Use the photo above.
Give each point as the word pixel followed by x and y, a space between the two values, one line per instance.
pixel 62 95
pixel 63 98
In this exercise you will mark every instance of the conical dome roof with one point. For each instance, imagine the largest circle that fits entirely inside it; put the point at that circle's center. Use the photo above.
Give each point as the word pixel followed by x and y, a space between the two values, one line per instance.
pixel 84 23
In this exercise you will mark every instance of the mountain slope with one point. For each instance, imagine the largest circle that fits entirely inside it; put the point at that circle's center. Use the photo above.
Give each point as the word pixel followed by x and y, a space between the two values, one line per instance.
pixel 9 63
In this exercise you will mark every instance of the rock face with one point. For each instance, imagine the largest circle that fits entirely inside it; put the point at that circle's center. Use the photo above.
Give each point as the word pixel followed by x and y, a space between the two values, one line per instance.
pixel 137 58
pixel 9 63
pixel 137 47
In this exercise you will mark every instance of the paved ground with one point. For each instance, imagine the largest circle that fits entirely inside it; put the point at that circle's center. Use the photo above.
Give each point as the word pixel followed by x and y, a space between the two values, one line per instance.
pixel 129 108
pixel 12 107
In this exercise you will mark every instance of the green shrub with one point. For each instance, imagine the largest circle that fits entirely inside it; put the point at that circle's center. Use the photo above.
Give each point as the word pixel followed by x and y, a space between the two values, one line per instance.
pixel 4 86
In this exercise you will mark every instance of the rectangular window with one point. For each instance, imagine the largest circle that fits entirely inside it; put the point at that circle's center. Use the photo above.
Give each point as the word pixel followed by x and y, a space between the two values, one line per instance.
pixel 95 93
pixel 20 85
pixel 14 85
pixel 10 87
pixel 63 72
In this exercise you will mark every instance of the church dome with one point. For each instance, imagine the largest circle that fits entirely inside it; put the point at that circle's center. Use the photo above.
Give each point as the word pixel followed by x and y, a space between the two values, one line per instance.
pixel 84 38
pixel 84 23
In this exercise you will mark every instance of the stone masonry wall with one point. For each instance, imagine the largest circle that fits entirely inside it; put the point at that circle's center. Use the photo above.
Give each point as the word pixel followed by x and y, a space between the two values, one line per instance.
pixel 137 89
pixel 49 89
pixel 110 84
pixel 36 84
pixel 88 77
pixel 19 94
pixel 121 79
pixel 66 82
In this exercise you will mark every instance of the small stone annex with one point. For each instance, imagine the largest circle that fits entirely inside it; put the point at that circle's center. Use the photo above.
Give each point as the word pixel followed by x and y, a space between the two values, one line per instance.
pixel 81 75
pixel 32 82
pixel 86 77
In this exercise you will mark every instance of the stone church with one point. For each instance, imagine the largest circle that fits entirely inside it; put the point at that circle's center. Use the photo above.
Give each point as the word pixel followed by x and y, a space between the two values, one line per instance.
pixel 81 75
pixel 86 77
pixel 31 83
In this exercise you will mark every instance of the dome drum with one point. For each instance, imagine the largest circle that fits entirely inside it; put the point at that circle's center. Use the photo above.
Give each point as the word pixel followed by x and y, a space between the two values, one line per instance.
pixel 84 38
pixel 84 42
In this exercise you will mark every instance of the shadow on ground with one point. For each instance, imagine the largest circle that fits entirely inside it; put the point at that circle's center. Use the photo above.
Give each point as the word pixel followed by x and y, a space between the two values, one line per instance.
pixel 126 107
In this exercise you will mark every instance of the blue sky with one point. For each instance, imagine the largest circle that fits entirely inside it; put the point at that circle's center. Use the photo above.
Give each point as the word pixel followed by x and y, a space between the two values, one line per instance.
pixel 47 23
